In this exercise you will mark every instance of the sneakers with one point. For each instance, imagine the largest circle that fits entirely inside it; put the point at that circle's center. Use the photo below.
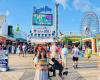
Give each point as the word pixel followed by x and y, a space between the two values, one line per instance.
pixel 75 66
pixel 60 74
pixel 66 68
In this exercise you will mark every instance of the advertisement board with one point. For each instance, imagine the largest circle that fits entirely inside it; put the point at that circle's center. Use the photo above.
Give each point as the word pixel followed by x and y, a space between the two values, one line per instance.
pixel 3 60
pixel 42 19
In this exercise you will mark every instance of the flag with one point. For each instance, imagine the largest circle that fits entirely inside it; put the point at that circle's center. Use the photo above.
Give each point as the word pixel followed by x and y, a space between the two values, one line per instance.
pixel 61 34
pixel 17 28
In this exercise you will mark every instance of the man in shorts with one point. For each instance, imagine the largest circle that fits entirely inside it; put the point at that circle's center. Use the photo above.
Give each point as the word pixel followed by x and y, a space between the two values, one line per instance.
pixel 75 52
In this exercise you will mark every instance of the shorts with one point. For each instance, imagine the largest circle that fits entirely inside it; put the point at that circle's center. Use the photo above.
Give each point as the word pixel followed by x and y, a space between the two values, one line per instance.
pixel 75 58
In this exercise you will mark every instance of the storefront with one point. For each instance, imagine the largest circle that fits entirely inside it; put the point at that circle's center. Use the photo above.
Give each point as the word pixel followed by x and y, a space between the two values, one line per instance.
pixel 69 39
pixel 3 29
pixel 6 40
pixel 93 42
pixel 98 46
pixel 10 40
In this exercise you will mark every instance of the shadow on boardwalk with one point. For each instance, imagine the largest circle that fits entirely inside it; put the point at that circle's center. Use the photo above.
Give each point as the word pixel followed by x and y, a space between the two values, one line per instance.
pixel 70 74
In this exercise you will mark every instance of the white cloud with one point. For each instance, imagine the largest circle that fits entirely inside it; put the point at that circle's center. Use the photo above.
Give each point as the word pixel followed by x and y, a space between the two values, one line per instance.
pixel 7 13
pixel 85 5
pixel 4 12
pixel 82 5
pixel 62 2
pixel 97 10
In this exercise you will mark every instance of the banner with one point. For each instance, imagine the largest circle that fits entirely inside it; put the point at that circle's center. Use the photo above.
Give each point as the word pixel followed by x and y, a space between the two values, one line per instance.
pixel 17 28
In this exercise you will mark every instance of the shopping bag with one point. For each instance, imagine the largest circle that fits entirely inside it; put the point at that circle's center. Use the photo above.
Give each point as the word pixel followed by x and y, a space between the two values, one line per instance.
pixel 81 55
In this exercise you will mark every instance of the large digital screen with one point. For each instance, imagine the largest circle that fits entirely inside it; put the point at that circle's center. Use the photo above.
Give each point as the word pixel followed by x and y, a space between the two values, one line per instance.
pixel 42 19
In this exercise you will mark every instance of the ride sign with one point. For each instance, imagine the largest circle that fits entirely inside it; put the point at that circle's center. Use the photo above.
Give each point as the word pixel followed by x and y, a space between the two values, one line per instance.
pixel 42 9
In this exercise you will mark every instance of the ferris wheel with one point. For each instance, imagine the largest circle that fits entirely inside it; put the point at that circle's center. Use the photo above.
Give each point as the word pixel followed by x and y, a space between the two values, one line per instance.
pixel 90 23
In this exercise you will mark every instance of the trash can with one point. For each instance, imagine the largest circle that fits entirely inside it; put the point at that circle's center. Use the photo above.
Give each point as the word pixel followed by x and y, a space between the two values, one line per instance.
pixel 4 60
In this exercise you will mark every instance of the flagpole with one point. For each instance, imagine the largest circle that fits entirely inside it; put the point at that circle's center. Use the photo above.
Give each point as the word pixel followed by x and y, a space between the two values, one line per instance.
pixel 56 12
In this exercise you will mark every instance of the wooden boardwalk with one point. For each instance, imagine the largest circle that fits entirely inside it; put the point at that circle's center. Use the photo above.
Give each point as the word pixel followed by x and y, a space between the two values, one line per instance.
pixel 22 69
pixel 71 74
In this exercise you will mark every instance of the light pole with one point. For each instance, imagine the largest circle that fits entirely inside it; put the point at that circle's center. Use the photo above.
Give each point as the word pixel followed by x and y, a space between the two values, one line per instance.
pixel 56 13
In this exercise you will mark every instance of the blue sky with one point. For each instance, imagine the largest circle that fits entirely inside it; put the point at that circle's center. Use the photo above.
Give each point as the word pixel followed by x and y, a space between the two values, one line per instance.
pixel 70 12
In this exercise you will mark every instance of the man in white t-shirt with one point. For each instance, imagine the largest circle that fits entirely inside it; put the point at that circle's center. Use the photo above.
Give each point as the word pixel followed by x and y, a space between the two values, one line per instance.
pixel 64 53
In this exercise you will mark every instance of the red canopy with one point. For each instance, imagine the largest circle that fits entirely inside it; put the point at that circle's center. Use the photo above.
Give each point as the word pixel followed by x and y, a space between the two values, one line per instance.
pixel 2 39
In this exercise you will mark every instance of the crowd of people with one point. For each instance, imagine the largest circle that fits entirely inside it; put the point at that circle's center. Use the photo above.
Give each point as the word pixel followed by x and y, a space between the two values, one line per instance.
pixel 17 48
pixel 52 58
pixel 48 57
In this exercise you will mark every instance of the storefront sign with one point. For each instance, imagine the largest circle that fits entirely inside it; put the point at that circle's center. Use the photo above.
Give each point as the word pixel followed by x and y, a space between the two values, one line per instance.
pixel 42 31
pixel 42 9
